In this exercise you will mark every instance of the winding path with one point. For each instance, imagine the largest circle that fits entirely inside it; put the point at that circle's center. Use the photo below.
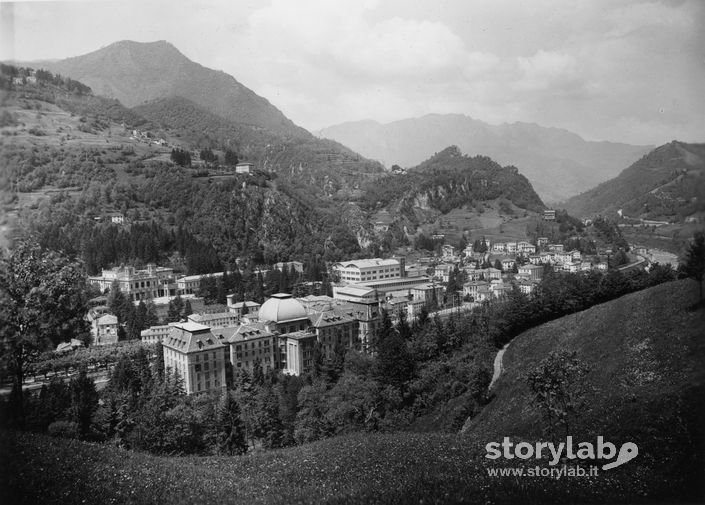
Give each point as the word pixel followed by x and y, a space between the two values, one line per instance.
pixel 498 366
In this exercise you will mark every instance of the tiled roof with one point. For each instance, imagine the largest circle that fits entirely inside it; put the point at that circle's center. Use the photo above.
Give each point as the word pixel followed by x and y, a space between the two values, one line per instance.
pixel 329 318
pixel 245 332
pixel 192 337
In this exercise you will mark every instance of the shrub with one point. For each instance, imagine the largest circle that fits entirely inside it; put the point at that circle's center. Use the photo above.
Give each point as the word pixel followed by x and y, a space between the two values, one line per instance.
pixel 63 429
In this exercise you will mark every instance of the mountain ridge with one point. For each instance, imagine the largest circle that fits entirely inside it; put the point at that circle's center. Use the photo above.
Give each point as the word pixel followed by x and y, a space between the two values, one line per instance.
pixel 667 183
pixel 136 72
pixel 559 163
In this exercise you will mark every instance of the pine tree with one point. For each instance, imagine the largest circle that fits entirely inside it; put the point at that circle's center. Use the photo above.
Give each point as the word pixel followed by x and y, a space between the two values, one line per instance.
pixel 403 326
pixel 694 266
pixel 151 319
pixel 230 438
pixel 84 401
pixel 268 426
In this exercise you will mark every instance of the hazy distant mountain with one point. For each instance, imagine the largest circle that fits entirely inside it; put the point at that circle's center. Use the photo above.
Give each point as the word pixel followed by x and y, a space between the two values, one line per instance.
pixel 135 72
pixel 558 163
pixel 668 183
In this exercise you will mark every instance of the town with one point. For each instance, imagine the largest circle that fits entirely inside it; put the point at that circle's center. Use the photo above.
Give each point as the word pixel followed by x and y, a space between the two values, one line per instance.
pixel 280 334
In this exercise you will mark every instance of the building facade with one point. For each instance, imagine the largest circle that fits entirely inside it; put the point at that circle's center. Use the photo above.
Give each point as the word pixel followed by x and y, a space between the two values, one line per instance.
pixel 197 356
pixel 361 271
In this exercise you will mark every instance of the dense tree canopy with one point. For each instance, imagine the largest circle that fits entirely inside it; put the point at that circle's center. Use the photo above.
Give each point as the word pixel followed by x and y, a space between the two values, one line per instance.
pixel 43 301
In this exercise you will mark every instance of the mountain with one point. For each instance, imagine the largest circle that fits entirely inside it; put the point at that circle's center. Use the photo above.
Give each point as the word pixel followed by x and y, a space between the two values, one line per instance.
pixel 69 157
pixel 135 72
pixel 449 187
pixel 316 166
pixel 558 163
pixel 666 184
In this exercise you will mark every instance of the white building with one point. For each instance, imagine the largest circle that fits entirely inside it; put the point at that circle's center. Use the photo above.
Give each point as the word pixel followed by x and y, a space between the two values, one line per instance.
pixel 154 282
pixel 197 356
pixel 216 319
pixel 361 271
pixel 531 272
pixel 105 330
pixel 155 334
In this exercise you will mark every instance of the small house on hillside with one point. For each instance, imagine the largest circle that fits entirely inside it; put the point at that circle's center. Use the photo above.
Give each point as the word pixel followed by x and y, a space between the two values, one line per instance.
pixel 244 168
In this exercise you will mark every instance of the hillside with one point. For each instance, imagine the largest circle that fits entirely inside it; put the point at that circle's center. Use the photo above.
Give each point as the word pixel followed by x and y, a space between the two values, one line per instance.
pixel 648 389
pixel 135 72
pixel 558 163
pixel 666 184
pixel 646 381
pixel 446 184
pixel 315 166
pixel 70 157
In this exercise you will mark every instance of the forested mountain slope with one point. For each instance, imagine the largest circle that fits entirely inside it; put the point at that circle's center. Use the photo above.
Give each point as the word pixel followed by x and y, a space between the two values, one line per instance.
pixel 321 167
pixel 666 184
pixel 446 181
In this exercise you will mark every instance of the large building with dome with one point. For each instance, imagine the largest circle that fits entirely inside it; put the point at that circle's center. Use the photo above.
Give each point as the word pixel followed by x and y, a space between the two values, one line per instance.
pixel 285 312
pixel 283 333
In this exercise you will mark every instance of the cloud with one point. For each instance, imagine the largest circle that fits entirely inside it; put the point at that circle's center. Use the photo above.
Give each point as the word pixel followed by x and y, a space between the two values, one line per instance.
pixel 603 68
pixel 546 69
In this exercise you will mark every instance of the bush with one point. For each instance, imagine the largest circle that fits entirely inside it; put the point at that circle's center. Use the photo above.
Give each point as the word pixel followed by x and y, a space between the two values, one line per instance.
pixel 63 429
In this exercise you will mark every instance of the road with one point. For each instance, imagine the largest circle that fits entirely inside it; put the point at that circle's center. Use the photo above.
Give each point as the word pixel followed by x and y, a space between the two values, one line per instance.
pixel 100 378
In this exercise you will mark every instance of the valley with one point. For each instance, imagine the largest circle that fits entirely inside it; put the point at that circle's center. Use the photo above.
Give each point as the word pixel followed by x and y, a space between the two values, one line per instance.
pixel 349 316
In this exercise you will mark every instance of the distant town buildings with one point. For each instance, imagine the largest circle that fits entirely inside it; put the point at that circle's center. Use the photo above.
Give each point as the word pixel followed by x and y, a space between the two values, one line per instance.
pixel 105 330
pixel 152 282
pixel 366 270
pixel 244 168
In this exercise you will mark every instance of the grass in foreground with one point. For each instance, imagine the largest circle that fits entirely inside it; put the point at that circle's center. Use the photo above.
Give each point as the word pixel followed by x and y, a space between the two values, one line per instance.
pixel 649 348
pixel 361 468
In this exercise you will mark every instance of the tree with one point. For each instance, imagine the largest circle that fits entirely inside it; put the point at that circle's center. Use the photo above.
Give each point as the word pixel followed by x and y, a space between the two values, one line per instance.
pixel 694 266
pixel 231 158
pixel 43 301
pixel 84 401
pixel 403 327
pixel 556 385
pixel 176 307
pixel 118 303
pixel 208 290
pixel 151 318
pixel 394 363
pixel 230 437
pixel 267 424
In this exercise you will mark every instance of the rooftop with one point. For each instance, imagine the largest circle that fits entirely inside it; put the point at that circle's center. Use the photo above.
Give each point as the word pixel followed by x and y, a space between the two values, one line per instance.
pixel 282 307
pixel 192 337
pixel 368 263
pixel 244 332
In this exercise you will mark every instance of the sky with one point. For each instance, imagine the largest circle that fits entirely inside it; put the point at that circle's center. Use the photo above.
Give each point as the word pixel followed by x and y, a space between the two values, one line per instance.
pixel 620 70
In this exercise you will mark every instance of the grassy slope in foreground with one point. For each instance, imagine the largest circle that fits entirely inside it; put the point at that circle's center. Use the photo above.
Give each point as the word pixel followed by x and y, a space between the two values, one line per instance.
pixel 646 352
pixel 432 468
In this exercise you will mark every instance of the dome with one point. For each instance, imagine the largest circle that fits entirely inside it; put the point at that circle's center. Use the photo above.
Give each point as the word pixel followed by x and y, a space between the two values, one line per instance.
pixel 282 307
